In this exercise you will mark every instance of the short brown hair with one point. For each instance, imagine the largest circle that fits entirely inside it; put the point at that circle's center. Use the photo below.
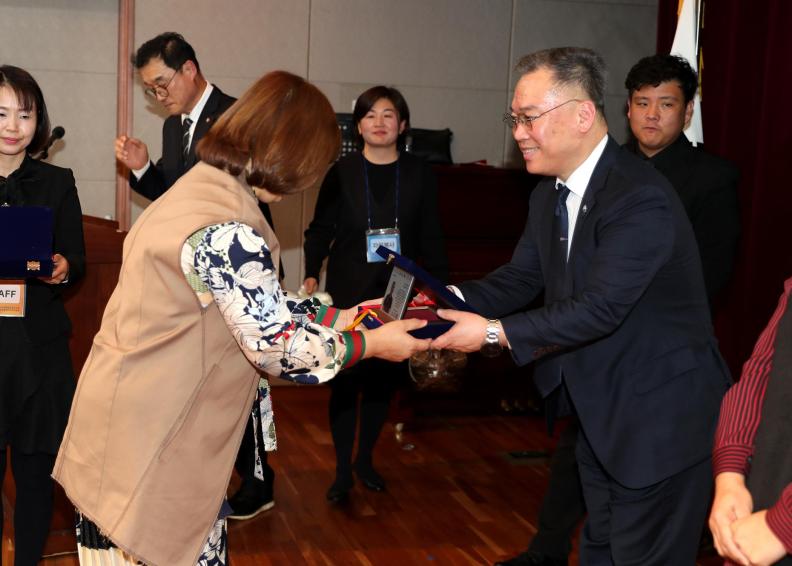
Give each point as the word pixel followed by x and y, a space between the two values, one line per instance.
pixel 282 133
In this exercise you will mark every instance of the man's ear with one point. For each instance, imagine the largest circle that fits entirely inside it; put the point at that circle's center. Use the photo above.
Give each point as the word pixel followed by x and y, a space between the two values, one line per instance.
pixel 402 126
pixel 188 68
pixel 688 114
pixel 586 115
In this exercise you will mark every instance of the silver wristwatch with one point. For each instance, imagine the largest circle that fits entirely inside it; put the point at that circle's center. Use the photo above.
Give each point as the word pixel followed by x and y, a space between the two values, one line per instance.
pixel 491 347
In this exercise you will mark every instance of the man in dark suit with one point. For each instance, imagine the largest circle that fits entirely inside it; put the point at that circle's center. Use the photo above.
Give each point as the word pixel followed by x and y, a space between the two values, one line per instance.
pixel 660 89
pixel 170 72
pixel 624 339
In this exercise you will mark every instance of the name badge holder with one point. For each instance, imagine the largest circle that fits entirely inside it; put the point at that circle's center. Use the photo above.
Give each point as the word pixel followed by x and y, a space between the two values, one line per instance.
pixel 12 298
pixel 389 238
pixel 385 237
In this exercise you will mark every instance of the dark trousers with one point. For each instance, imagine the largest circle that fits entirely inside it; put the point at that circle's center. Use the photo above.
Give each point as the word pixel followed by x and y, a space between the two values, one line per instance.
pixel 245 463
pixel 374 382
pixel 562 507
pixel 33 509
pixel 658 525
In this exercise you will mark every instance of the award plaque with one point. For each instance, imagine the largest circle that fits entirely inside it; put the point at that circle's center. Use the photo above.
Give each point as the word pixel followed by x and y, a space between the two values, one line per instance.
pixel 25 242
pixel 406 277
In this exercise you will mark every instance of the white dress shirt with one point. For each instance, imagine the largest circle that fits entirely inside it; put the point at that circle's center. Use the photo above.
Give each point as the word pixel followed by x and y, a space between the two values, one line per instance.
pixel 577 183
pixel 194 114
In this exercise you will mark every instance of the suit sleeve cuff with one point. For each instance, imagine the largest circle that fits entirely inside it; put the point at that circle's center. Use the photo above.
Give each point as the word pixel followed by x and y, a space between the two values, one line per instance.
pixel 355 343
pixel 138 173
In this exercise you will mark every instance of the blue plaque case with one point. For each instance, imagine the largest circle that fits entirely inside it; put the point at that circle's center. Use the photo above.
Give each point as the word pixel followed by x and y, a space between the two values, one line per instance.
pixel 429 286
pixel 25 242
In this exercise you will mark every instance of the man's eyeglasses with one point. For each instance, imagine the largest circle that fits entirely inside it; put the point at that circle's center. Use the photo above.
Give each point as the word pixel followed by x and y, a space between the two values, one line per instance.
pixel 159 91
pixel 527 121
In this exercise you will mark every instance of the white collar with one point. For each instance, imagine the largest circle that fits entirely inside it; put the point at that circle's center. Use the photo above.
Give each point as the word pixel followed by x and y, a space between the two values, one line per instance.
pixel 580 177
pixel 195 113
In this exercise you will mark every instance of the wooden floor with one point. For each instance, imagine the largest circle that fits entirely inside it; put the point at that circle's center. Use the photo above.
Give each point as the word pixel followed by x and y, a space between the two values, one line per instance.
pixel 454 495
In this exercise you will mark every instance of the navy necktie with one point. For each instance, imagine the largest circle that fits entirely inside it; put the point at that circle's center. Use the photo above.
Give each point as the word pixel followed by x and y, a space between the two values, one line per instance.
pixel 555 284
pixel 563 216
pixel 186 138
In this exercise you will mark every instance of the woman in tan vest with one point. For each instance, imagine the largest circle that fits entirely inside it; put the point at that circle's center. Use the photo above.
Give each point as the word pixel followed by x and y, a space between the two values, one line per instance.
pixel 164 396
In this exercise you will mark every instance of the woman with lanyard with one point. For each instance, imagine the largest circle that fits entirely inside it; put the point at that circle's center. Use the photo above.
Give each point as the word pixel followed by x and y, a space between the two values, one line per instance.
pixel 380 196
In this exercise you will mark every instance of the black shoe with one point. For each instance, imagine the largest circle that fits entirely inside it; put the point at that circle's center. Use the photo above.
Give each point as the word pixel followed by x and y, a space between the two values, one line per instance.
pixel 339 491
pixel 369 477
pixel 253 497
pixel 530 558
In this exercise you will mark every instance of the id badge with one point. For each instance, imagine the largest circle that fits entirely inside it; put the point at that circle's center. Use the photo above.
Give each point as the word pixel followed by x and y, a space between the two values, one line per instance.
pixel 12 297
pixel 388 237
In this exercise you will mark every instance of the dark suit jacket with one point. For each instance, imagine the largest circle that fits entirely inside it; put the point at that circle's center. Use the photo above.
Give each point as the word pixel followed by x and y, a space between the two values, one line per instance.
pixel 707 187
pixel 37 183
pixel 340 222
pixel 170 167
pixel 160 176
pixel 631 330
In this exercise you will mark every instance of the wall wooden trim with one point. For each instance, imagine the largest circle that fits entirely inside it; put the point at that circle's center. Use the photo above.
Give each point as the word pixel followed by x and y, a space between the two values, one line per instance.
pixel 126 37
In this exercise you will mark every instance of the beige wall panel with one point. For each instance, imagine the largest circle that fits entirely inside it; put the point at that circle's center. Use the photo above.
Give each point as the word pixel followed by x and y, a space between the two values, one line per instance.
pixel 89 121
pixel 71 49
pixel 622 32
pixel 78 35
pixel 452 43
pixel 100 195
pixel 242 38
pixel 474 116
pixel 343 95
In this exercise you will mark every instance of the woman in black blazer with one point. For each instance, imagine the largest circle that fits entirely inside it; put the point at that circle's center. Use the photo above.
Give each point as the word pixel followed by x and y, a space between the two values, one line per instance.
pixel 36 376
pixel 363 195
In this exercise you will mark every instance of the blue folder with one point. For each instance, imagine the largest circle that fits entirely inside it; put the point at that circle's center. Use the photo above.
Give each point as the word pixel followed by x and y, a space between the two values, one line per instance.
pixel 25 242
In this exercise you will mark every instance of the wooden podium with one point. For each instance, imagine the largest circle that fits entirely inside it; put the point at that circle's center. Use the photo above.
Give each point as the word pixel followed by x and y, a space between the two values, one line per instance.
pixel 85 303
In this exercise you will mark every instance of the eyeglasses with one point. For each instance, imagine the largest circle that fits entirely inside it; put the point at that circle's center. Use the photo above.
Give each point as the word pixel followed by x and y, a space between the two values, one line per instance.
pixel 159 91
pixel 528 121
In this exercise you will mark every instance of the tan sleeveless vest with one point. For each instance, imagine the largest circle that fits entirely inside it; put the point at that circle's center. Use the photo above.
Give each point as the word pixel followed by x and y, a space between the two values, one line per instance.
pixel 164 396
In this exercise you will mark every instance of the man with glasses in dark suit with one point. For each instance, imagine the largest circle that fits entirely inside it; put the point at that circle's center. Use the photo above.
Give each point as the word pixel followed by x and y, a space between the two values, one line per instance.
pixel 660 90
pixel 624 340
pixel 171 75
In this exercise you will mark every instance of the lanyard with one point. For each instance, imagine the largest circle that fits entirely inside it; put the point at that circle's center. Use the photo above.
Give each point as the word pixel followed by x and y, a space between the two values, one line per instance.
pixel 368 192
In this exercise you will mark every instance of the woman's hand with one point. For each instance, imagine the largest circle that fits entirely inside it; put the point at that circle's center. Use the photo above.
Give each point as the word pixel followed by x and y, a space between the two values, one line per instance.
pixel 348 316
pixel 310 285
pixel 756 541
pixel 392 342
pixel 60 270
pixel 732 502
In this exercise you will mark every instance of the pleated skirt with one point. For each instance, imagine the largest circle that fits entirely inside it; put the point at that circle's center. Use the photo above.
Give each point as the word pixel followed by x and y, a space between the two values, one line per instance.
pixel 95 549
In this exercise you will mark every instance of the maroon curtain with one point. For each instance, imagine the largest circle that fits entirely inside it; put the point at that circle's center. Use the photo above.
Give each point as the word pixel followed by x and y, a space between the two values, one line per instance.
pixel 746 100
